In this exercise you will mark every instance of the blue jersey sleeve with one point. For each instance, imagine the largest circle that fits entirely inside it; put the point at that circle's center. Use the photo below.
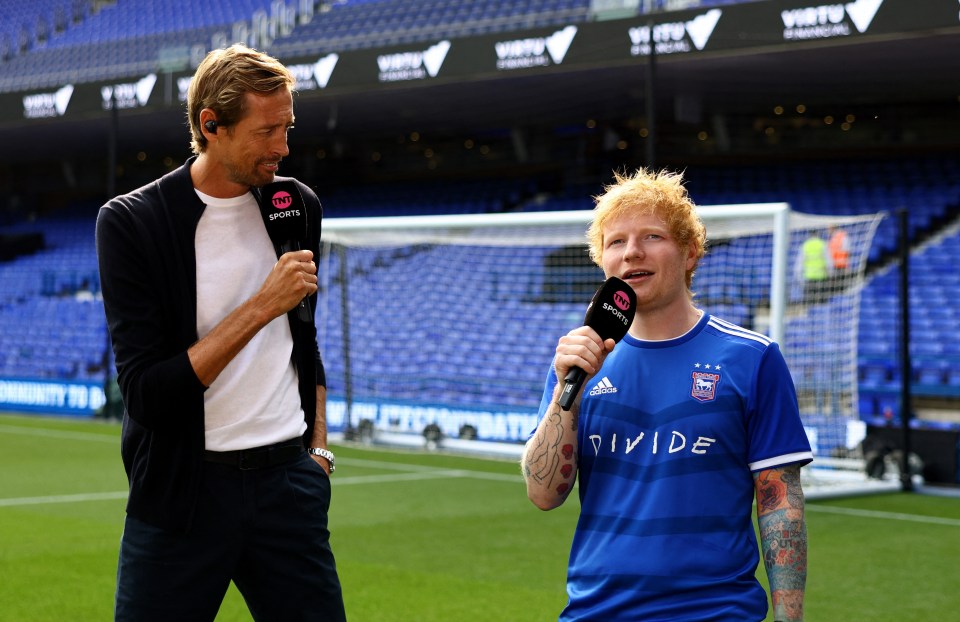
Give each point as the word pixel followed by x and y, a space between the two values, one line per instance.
pixel 775 432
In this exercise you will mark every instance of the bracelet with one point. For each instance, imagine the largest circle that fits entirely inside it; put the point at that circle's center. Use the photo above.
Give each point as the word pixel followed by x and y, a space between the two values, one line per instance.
pixel 324 453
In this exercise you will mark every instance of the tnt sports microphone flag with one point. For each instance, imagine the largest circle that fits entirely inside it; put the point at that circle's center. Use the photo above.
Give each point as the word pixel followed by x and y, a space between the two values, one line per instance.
pixel 285 216
pixel 612 309
pixel 610 314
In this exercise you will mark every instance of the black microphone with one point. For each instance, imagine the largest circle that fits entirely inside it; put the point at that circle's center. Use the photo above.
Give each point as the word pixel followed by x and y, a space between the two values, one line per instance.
pixel 285 216
pixel 610 314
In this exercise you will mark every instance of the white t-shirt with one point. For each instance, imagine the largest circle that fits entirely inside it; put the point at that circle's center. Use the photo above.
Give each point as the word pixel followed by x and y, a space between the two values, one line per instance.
pixel 255 400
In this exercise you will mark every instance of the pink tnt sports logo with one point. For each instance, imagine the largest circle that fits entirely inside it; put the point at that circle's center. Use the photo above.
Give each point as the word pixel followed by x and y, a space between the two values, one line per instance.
pixel 621 300
pixel 282 200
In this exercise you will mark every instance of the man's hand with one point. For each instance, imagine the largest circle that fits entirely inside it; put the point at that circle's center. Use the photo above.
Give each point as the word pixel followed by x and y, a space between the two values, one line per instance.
pixel 293 278
pixel 583 348
pixel 322 462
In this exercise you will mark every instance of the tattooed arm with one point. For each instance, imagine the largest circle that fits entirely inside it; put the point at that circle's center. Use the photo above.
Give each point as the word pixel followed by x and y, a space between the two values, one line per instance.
pixel 549 460
pixel 783 539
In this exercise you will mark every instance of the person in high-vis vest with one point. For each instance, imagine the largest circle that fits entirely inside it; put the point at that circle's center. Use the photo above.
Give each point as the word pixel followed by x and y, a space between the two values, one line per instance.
pixel 816 267
pixel 839 246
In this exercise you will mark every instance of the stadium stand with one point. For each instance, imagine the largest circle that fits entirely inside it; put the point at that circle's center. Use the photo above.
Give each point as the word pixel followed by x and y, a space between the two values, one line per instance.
pixel 126 37
pixel 935 344
pixel 49 42
pixel 391 199
pixel 116 40
pixel 351 25
pixel 51 321
pixel 56 282
pixel 50 317
pixel 929 188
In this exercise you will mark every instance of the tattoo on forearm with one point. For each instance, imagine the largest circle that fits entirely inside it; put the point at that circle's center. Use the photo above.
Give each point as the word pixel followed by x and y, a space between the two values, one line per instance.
pixel 791 479
pixel 783 539
pixel 547 462
pixel 770 496
pixel 542 459
pixel 784 544
pixel 787 605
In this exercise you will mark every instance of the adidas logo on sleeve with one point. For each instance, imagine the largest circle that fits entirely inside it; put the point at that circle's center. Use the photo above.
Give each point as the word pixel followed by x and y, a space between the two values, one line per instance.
pixel 604 386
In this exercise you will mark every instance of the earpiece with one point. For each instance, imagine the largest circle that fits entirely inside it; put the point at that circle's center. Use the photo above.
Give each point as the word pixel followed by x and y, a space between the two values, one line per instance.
pixel 211 126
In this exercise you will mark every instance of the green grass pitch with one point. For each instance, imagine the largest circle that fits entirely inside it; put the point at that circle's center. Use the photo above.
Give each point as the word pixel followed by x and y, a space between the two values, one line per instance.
pixel 429 537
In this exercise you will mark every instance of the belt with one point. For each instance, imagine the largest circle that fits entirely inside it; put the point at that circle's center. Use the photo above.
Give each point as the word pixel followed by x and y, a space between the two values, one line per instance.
pixel 257 457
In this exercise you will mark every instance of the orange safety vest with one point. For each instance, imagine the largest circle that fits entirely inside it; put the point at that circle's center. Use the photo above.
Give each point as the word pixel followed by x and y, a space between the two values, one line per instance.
pixel 839 250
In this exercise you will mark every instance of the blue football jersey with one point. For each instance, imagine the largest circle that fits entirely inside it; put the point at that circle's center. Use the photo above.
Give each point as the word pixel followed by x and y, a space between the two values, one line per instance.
pixel 669 435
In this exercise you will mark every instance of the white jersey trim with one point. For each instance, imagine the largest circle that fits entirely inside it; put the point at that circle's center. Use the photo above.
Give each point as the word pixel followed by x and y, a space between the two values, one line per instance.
pixel 732 329
pixel 772 463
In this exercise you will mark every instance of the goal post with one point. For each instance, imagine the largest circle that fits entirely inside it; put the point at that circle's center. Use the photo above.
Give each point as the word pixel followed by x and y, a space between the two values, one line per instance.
pixel 445 326
pixel 563 227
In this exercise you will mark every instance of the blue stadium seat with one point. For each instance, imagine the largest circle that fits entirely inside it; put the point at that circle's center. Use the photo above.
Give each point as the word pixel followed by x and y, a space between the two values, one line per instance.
pixel 931 373
pixel 876 373
pixel 867 404
pixel 934 319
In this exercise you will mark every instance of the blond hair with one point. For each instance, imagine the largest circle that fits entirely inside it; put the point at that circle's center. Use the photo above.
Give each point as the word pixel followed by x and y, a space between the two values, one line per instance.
pixel 223 79
pixel 647 192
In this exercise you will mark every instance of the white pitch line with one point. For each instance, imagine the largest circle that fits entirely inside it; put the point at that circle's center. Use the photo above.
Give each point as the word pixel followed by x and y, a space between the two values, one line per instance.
pixel 65 434
pixel 414 473
pixel 421 474
pixel 394 466
pixel 912 518
pixel 496 477
pixel 394 477
pixel 398 466
pixel 78 498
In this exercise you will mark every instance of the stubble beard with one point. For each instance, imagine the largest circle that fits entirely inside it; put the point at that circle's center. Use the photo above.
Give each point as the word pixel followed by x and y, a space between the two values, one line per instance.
pixel 252 177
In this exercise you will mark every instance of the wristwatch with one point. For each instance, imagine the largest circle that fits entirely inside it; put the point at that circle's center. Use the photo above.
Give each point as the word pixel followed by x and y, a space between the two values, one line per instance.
pixel 324 453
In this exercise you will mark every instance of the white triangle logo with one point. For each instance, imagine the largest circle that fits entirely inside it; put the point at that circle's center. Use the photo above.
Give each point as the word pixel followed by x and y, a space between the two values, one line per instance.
pixel 62 99
pixel 862 12
pixel 434 56
pixel 145 87
pixel 323 69
pixel 701 27
pixel 559 42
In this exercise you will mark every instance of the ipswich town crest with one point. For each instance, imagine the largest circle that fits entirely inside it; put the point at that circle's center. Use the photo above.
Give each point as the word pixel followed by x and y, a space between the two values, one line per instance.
pixel 704 386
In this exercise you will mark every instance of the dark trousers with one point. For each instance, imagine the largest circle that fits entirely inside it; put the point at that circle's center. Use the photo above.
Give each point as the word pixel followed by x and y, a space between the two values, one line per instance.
pixel 264 529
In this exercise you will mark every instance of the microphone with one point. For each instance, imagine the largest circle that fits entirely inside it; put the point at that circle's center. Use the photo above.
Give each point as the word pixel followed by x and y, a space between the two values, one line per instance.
pixel 610 314
pixel 285 216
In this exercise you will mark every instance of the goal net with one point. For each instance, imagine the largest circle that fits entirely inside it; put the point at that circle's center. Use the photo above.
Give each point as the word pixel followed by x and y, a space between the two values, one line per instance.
pixel 445 326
